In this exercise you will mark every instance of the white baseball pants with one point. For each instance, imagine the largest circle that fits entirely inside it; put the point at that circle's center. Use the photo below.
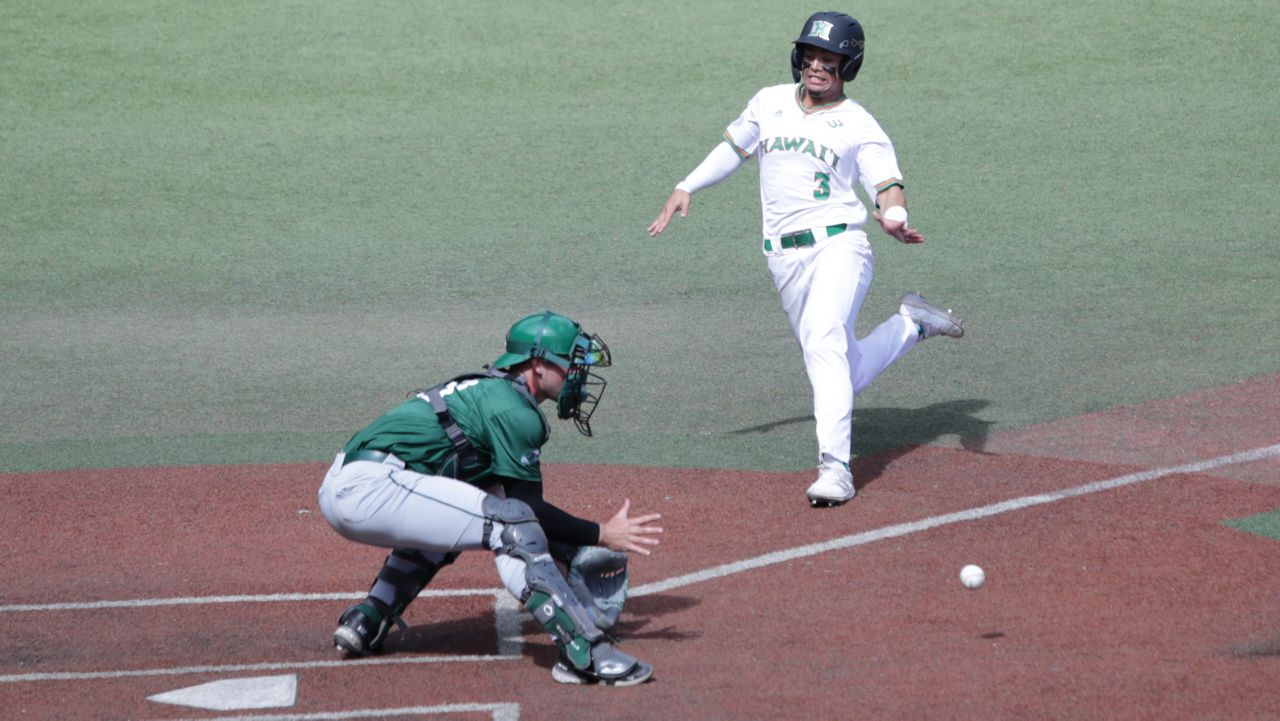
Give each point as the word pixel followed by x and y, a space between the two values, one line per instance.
pixel 822 288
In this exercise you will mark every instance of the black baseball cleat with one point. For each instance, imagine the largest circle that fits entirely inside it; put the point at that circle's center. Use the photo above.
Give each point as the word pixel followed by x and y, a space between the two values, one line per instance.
pixel 564 673
pixel 609 667
pixel 361 630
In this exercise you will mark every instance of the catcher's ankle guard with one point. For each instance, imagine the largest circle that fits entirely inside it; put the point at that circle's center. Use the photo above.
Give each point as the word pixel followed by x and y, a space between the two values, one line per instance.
pixel 574 646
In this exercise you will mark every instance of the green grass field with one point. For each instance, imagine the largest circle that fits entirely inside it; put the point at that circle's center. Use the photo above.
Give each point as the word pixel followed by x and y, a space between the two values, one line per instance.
pixel 233 232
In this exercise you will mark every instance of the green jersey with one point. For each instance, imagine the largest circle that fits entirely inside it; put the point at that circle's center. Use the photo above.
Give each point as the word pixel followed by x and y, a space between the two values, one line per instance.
pixel 501 420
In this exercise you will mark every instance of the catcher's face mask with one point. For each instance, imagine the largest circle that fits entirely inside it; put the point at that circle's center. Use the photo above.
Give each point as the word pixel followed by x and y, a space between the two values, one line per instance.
pixel 583 389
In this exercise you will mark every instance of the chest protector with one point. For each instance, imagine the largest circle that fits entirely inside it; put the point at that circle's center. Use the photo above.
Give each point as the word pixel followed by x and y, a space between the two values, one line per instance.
pixel 465 463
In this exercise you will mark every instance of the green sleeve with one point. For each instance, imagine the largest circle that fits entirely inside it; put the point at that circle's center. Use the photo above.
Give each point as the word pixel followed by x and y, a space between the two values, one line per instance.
pixel 517 435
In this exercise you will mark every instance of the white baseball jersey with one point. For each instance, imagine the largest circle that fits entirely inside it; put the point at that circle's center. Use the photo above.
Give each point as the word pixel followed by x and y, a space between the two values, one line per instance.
pixel 811 161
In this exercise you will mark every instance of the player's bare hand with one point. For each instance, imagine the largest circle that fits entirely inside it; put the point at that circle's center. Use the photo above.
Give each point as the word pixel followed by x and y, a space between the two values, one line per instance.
pixel 628 533
pixel 898 229
pixel 677 203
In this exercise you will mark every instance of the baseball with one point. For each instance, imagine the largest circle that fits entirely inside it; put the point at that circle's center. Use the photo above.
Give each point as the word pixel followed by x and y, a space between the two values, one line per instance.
pixel 972 576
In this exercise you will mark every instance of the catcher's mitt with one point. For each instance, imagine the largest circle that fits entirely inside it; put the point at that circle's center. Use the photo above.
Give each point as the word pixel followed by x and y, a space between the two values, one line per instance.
pixel 598 576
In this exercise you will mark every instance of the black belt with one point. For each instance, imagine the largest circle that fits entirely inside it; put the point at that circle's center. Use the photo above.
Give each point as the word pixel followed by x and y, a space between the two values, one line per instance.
pixel 365 455
pixel 805 238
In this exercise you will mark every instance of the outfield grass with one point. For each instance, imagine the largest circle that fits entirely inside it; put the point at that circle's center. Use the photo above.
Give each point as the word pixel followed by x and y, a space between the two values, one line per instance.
pixel 233 232
pixel 1264 524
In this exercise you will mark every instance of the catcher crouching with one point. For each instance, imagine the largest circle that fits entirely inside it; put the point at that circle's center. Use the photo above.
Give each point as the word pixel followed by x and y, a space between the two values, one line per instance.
pixel 456 467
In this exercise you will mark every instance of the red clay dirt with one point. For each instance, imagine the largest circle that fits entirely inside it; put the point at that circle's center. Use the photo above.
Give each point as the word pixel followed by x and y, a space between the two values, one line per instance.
pixel 1135 602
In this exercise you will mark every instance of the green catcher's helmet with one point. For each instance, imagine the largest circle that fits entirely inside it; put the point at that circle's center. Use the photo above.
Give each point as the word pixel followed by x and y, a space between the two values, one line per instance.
pixel 553 337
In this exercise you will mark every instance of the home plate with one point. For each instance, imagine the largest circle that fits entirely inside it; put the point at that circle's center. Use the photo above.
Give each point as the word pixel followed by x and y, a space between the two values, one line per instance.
pixel 235 693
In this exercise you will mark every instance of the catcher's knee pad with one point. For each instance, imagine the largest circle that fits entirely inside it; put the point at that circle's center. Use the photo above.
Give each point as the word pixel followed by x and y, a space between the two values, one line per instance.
pixel 507 510
pixel 521 534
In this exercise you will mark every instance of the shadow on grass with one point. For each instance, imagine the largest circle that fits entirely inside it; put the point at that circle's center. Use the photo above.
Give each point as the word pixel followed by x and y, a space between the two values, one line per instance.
pixel 882 435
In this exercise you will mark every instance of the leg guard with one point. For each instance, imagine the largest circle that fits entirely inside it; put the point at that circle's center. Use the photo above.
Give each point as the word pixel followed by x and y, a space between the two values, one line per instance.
pixel 403 576
pixel 362 628
pixel 548 596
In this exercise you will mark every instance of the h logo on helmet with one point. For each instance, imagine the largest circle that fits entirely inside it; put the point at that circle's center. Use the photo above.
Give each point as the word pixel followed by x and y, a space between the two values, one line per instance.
pixel 821 29
pixel 835 32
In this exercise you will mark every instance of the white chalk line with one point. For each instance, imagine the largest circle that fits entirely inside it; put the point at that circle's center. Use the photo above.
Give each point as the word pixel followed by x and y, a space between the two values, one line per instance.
pixel 903 529
pixel 497 711
pixel 250 668
pixel 244 598
pixel 509 621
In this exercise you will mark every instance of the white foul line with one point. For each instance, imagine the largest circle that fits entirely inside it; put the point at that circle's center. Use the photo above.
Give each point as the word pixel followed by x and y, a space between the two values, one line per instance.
pixel 925 524
pixel 508 618
pixel 498 711
pixel 202 600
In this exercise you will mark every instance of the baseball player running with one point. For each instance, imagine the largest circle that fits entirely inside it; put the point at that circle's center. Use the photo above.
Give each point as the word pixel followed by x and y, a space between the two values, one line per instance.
pixel 456 467
pixel 815 147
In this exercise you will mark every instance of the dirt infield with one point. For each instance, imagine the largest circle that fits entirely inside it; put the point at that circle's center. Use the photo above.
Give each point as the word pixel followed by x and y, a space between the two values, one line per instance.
pixel 1129 599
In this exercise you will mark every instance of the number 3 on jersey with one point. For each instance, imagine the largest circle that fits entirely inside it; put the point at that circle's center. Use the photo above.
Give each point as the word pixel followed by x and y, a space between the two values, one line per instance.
pixel 823 191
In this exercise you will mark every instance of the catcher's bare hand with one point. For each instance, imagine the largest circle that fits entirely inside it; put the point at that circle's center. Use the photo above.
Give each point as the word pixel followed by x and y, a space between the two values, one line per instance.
pixel 625 533
pixel 677 203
